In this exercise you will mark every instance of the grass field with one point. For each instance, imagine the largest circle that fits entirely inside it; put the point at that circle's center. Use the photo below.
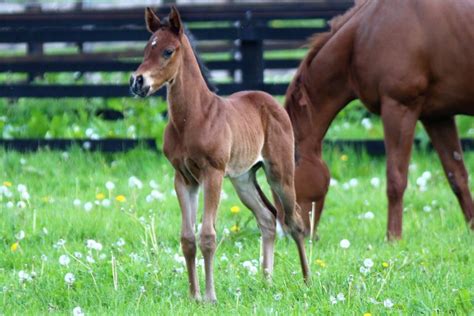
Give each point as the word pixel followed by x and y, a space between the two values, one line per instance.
pixel 70 242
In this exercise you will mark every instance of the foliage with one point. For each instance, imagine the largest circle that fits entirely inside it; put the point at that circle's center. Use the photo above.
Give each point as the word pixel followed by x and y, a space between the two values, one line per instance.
pixel 135 235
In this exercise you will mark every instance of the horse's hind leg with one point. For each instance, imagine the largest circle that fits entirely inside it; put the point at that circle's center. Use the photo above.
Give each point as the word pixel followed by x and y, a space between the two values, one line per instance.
pixel 280 172
pixel 445 140
pixel 250 194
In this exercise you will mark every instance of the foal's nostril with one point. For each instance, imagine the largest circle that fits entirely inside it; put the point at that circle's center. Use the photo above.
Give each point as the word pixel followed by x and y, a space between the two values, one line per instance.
pixel 140 80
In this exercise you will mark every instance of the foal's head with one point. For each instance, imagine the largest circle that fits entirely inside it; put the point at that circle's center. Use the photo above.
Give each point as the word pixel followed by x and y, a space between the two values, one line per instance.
pixel 162 54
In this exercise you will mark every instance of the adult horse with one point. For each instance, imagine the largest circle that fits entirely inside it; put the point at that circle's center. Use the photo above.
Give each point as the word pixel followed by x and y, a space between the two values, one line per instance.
pixel 406 61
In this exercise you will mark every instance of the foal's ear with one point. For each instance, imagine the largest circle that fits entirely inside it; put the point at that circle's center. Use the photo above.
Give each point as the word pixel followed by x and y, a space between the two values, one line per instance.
pixel 153 23
pixel 175 21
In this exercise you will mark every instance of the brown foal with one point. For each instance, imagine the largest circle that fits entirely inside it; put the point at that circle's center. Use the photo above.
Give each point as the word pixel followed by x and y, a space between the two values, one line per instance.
pixel 208 138
pixel 406 61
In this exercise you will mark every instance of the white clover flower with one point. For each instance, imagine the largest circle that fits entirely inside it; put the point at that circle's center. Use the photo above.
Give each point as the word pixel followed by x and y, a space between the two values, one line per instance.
pixel 77 311
pixel 251 268
pixel 224 195
pixel 106 203
pixel 10 204
pixel 69 278
pixel 44 258
pixel 344 243
pixel 224 258
pixel 120 242
pixel 22 188
pixel 22 161
pixel 179 270
pixel 346 186
pixel 333 300
pixel 341 297
pixel 153 184
pixel 375 182
pixel 88 206
pixel 20 235
pixel 278 296
pixel 426 175
pixel 94 245
pixel 102 256
pixel 157 195
pixel 64 260
pixel 179 259
pixel 149 198
pixel 77 202
pixel 226 232
pixel 109 185
pixel 333 182
pixel 427 208
pixel 134 182
pixel 90 259
pixel 366 123
pixel 368 263
pixel 77 254
pixel 60 243
pixel 23 276
pixel 388 303
pixel 21 204
pixel 369 215
pixel 238 245
pixel 364 270
pixel 45 230
pixel 353 182
pixel 25 195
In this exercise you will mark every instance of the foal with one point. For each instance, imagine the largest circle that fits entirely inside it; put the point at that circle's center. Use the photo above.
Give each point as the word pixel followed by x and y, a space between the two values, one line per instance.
pixel 208 138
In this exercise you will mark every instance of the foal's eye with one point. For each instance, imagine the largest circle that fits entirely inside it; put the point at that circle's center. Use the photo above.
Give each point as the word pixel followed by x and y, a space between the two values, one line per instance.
pixel 167 53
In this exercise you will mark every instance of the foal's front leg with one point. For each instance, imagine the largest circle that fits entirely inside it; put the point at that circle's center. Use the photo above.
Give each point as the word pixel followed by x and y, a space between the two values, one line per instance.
pixel 212 182
pixel 188 201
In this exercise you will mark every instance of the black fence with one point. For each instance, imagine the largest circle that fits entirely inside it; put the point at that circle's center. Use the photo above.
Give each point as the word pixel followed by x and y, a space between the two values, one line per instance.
pixel 245 31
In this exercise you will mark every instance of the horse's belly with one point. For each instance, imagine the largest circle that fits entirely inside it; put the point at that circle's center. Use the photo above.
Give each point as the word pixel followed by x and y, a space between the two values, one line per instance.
pixel 244 155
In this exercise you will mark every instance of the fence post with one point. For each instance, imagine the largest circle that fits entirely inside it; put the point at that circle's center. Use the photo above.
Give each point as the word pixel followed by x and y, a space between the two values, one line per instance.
pixel 34 48
pixel 251 49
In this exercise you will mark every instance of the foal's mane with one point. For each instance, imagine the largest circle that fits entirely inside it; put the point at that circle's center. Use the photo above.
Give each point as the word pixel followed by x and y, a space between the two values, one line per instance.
pixel 205 72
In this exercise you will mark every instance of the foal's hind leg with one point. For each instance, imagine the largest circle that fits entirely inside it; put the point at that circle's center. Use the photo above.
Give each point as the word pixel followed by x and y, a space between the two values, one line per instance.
pixel 247 188
pixel 279 171
pixel 445 140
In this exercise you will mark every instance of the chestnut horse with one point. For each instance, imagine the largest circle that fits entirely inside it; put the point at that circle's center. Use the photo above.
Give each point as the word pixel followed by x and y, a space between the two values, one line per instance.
pixel 406 61
pixel 208 138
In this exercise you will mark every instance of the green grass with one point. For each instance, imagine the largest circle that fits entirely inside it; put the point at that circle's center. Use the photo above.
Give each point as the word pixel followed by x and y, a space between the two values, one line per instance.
pixel 431 271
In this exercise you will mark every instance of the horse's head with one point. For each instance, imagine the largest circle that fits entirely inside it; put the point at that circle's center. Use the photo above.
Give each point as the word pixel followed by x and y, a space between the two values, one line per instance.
pixel 162 54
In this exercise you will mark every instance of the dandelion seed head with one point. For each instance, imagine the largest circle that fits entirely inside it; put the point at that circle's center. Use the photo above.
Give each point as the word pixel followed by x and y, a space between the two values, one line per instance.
pixel 344 243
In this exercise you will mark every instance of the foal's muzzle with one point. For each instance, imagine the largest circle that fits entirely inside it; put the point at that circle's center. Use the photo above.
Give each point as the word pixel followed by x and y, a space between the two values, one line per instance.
pixel 138 86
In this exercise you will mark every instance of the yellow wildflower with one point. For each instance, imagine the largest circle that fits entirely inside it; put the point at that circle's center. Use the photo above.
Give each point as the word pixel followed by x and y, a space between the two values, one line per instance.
pixel 100 196
pixel 321 263
pixel 385 264
pixel 7 183
pixel 367 314
pixel 235 209
pixel 121 198
pixel 344 157
pixel 14 247
pixel 235 228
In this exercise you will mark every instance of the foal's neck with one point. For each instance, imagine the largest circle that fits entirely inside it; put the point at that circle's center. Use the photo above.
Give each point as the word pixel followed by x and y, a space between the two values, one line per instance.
pixel 189 98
